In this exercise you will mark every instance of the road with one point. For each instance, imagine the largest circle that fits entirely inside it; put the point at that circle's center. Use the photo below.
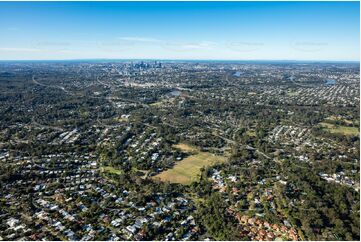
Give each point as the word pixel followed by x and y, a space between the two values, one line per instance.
pixel 51 86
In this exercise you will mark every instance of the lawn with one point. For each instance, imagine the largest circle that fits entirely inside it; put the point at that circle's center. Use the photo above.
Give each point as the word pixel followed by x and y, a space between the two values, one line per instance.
pixel 339 129
pixel 120 119
pixel 292 93
pixel 188 169
pixel 156 104
pixel 346 121
pixel 110 169
pixel 251 133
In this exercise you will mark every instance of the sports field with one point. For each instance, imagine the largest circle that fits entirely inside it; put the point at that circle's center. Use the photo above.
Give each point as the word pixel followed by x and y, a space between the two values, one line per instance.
pixel 339 129
pixel 335 118
pixel 110 169
pixel 188 169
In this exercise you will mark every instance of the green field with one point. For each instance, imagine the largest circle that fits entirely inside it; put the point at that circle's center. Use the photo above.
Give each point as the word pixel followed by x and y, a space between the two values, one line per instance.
pixel 335 118
pixel 156 104
pixel 251 133
pixel 339 129
pixel 292 93
pixel 110 169
pixel 188 169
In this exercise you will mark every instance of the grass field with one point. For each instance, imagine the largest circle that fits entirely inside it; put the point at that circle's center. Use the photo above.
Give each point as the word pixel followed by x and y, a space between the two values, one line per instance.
pixel 160 103
pixel 188 169
pixel 110 169
pixel 120 119
pixel 251 133
pixel 345 130
pixel 292 93
pixel 346 121
pixel 156 104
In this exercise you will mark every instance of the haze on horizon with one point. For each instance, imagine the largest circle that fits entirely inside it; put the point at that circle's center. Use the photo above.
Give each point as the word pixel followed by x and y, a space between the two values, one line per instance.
pixel 180 30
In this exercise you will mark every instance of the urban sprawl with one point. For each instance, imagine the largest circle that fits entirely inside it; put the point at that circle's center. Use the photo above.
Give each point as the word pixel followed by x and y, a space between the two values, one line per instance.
pixel 179 150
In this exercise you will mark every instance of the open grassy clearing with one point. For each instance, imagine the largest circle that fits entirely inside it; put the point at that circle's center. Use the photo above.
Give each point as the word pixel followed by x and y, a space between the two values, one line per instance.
pixel 335 118
pixel 156 104
pixel 251 133
pixel 188 170
pixel 161 103
pixel 186 148
pixel 252 93
pixel 110 169
pixel 120 119
pixel 292 93
pixel 336 129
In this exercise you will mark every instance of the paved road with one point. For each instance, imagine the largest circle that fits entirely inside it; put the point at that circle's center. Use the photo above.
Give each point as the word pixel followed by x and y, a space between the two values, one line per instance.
pixel 52 86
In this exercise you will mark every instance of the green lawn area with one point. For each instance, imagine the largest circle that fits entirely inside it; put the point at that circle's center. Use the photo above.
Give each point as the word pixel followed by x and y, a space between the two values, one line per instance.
pixel 84 114
pixel 110 169
pixel 345 130
pixel 120 119
pixel 157 104
pixel 335 118
pixel 188 169
pixel 292 93
pixel 251 133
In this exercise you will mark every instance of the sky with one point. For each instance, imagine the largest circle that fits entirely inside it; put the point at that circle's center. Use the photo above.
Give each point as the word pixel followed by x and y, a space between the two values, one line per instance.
pixel 180 30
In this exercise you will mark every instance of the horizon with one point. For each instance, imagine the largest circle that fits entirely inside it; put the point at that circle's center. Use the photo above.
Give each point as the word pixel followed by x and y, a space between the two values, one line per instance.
pixel 229 31
pixel 180 60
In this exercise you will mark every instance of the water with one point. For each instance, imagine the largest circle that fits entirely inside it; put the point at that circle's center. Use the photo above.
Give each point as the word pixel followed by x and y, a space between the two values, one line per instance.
pixel 175 93
pixel 330 82
pixel 237 74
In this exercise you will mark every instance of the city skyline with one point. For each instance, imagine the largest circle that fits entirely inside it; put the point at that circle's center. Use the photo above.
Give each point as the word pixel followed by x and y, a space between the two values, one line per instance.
pixel 312 31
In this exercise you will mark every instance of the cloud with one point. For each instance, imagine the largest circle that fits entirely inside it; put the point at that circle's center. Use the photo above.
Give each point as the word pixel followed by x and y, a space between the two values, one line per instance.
pixel 115 45
pixel 10 49
pixel 200 45
pixel 52 43
pixel 125 43
pixel 68 52
pixel 140 39
pixel 308 46
pixel 180 47
pixel 129 42
pixel 243 46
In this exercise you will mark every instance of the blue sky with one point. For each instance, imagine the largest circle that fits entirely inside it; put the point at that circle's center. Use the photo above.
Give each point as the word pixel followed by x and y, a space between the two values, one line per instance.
pixel 180 30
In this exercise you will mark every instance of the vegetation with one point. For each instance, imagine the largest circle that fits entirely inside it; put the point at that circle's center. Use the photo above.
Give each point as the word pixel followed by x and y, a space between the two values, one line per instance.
pixel 111 170
pixel 180 151
pixel 340 129
pixel 188 169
